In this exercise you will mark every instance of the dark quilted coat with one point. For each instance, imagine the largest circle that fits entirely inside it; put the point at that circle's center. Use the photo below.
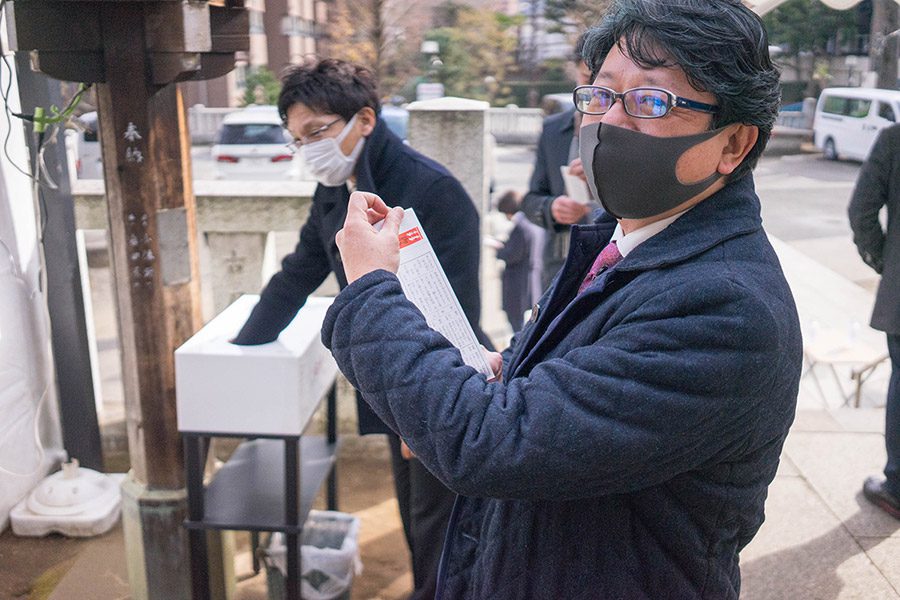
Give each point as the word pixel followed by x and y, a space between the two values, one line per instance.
pixel 627 451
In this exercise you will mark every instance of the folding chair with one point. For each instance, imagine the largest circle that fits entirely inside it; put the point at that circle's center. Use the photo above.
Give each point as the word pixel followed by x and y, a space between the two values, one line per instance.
pixel 832 349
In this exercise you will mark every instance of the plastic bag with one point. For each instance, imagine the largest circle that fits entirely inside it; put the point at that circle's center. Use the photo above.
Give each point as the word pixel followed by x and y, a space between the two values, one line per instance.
pixel 329 554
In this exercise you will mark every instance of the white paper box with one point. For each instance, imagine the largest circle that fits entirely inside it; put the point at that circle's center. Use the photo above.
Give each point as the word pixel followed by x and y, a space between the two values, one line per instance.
pixel 269 389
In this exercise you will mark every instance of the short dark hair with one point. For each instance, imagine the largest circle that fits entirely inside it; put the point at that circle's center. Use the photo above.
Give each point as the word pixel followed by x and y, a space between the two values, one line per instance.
pixel 329 86
pixel 720 45
pixel 509 201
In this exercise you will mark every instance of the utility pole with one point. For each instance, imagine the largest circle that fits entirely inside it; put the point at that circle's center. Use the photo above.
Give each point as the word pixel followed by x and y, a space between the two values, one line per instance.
pixel 136 51
pixel 883 43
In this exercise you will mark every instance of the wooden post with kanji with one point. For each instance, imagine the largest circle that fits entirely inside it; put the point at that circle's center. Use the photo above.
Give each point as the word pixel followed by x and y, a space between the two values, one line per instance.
pixel 135 51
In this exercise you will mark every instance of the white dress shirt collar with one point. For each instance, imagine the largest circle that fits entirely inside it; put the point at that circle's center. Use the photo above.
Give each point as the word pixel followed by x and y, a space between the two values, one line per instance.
pixel 628 242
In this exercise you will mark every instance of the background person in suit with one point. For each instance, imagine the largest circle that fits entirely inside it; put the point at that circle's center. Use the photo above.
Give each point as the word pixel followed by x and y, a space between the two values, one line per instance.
pixel 546 203
pixel 878 186
pixel 332 110
pixel 517 254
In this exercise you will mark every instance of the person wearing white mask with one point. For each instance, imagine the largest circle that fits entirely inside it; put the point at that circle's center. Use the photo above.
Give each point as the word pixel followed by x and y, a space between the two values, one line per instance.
pixel 325 157
pixel 331 109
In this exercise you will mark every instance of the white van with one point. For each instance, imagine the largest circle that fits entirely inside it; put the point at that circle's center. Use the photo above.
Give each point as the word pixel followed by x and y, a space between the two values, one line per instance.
pixel 848 120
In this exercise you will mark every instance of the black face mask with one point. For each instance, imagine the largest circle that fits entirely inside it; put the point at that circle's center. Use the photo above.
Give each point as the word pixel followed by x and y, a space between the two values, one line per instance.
pixel 633 174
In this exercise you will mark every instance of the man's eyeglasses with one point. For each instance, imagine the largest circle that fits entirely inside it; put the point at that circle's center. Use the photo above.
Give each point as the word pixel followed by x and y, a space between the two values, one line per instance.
pixel 313 136
pixel 641 103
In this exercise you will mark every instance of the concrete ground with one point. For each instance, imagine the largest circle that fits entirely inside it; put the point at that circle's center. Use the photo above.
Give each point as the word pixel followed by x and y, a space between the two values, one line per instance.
pixel 821 539
pixel 59 568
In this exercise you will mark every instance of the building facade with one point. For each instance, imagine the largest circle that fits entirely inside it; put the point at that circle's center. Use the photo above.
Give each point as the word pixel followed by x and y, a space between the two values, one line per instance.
pixel 282 32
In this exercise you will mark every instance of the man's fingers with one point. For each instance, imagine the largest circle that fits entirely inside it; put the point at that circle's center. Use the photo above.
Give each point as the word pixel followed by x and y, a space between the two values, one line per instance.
pixel 577 169
pixel 393 219
pixel 365 201
pixel 561 209
pixel 568 211
pixel 373 216
pixel 363 248
pixel 405 452
pixel 495 362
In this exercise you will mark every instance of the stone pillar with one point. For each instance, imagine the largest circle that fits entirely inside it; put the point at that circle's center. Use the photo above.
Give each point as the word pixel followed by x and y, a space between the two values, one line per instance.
pixel 456 133
pixel 236 261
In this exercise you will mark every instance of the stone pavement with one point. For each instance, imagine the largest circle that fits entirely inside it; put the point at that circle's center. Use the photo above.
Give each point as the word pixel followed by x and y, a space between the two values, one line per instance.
pixel 821 539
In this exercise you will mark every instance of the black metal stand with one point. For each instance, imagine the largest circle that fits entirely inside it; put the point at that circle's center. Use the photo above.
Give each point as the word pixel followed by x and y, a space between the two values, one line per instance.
pixel 268 484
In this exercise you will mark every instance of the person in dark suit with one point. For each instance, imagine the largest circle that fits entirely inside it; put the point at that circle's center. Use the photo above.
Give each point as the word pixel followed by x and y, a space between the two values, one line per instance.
pixel 516 254
pixel 546 203
pixel 878 186
pixel 332 110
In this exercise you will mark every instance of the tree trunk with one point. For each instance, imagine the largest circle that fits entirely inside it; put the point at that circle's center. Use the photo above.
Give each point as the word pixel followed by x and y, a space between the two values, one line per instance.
pixel 883 43
pixel 378 36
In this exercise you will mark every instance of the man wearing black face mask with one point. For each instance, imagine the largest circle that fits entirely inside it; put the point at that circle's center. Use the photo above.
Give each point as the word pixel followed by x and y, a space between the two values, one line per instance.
pixel 332 110
pixel 627 450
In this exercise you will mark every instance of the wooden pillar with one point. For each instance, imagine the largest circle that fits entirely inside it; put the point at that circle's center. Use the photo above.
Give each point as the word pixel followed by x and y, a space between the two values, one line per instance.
pixel 146 158
pixel 136 50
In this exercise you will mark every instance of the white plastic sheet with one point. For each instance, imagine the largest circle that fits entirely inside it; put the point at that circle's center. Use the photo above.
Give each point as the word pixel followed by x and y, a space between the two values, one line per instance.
pixel 20 384
pixel 24 336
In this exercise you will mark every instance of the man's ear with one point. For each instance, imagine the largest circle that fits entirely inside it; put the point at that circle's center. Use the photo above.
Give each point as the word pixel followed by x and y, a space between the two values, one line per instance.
pixel 740 141
pixel 365 120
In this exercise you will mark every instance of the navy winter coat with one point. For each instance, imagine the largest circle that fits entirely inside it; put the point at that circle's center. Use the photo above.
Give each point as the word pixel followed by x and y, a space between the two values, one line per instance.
pixel 402 177
pixel 627 452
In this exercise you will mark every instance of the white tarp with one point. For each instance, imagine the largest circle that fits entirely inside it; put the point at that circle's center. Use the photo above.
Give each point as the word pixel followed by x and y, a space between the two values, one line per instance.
pixel 30 439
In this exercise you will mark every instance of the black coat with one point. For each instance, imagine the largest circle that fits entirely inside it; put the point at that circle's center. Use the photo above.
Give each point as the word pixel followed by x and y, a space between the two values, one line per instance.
pixel 546 185
pixel 516 254
pixel 402 177
pixel 878 185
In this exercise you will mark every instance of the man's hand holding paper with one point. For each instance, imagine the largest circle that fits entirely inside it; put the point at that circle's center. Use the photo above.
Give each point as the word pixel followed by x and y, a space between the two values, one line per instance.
pixel 572 207
pixel 577 169
pixel 367 245
pixel 363 247
pixel 567 211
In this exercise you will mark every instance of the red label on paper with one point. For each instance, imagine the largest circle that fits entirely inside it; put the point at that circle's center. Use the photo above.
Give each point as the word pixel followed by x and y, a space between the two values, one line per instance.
pixel 409 237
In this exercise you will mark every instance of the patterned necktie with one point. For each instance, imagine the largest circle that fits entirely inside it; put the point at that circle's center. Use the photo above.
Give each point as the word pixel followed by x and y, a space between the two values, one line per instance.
pixel 607 258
